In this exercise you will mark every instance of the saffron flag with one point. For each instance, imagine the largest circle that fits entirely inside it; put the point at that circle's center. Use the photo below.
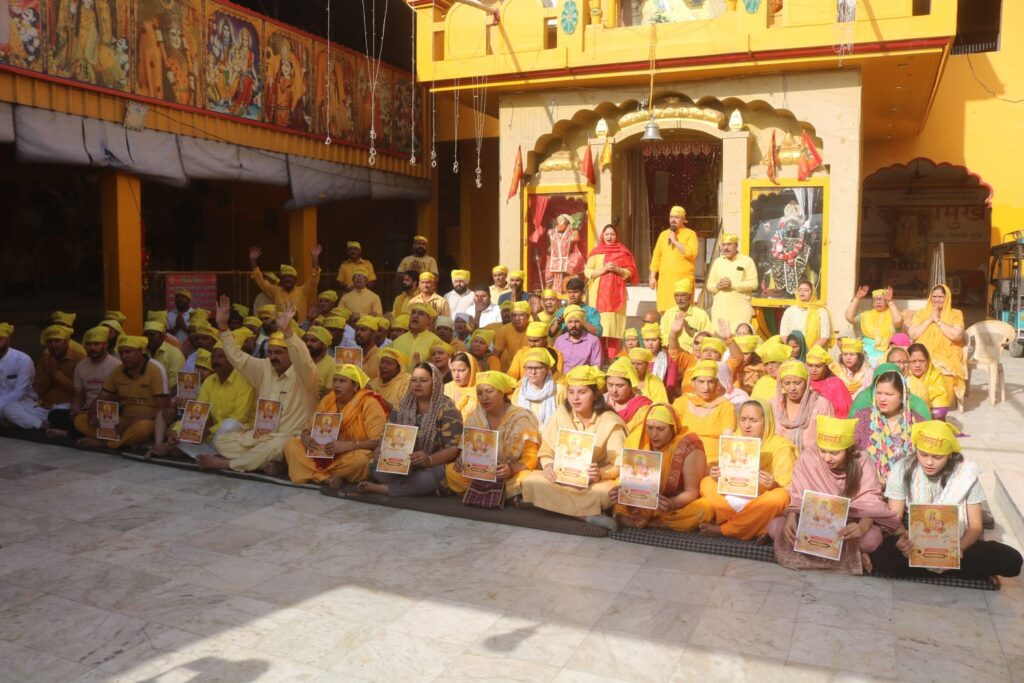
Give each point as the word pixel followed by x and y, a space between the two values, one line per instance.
pixel 517 175
pixel 587 167
pixel 606 154
pixel 772 161
pixel 810 157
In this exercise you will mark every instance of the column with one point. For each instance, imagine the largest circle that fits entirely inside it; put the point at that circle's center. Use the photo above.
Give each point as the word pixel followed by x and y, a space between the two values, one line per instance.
pixel 121 214
pixel 302 239
pixel 734 171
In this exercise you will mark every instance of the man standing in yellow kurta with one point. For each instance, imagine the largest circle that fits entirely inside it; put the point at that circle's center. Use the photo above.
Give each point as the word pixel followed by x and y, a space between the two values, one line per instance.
pixel 354 262
pixel 359 299
pixel 732 279
pixel 288 292
pixel 675 254
pixel 416 343
pixel 512 337
pixel 288 376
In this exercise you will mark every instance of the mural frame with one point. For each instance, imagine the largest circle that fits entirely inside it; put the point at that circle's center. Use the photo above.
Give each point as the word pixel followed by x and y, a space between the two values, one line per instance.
pixel 758 218
pixel 581 191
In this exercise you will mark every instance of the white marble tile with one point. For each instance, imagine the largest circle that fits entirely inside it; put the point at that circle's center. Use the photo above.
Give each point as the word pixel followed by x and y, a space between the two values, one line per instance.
pixel 829 608
pixel 939 625
pixel 471 668
pixel 614 551
pixel 25 665
pixel 579 606
pixel 660 619
pixel 751 634
pixel 1008 601
pixel 16 525
pixel 173 657
pixel 919 661
pixel 752 570
pixel 532 640
pixel 696 564
pixel 871 652
pixel 1011 634
pixel 544 540
pixel 782 602
pixel 710 663
pixel 309 502
pixel 509 558
pixel 230 538
pixel 362 604
pixel 655 583
pixel 574 676
pixel 870 588
pixel 315 640
pixel 258 666
pixel 739 595
pixel 241 620
pixel 580 572
pixel 627 657
pixel 448 622
pixel 293 587
pixel 944 596
pixel 128 518
pixel 79 500
pixel 172 527
pixel 385 655
pixel 16 557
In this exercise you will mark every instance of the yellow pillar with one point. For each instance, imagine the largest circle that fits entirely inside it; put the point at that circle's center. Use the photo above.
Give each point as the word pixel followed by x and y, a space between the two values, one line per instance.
pixel 426 224
pixel 121 209
pixel 302 239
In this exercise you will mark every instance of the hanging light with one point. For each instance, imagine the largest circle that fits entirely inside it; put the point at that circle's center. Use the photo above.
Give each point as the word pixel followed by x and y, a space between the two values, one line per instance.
pixel 652 133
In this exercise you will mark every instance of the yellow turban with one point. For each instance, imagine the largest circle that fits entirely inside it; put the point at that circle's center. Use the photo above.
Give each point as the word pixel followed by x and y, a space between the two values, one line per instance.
pixel 382 322
pixel 444 346
pixel 878 294
pixel 288 270
pixel 573 311
pixel 151 316
pixel 631 333
pixel 461 275
pixel 774 352
pixel 277 339
pixel 935 437
pixel 650 331
pixel 426 309
pixel 584 376
pixel 506 305
pixel 818 356
pixel 328 294
pixel 730 238
pixel 132 341
pixel 549 294
pixel 677 211
pixel 486 335
pixel 517 275
pixel 241 335
pixel 55 332
pixel 834 434
pixel 206 330
pixel 401 322
pixel 271 277
pixel 622 368
pixel 183 292
pixel 640 354
pixel 536 330
pixel 499 269
pixel 661 413
pixel 251 320
pixel 705 368
pixel 333 322
pixel 395 355
pixel 498 380
pixel 352 372
pixel 320 334
pixel 63 318
pixel 204 359
pixel 341 312
pixel 538 355
pixel 367 321
pixel 521 307
pixel 420 238
pixel 349 245
pixel 747 342
pixel 113 325
pixel 427 276
pixel 683 286
pixel 361 271
pixel 121 317
pixel 241 309
pixel 154 326
pixel 793 368
pixel 93 335
pixel 713 343
pixel 851 345
pixel 265 312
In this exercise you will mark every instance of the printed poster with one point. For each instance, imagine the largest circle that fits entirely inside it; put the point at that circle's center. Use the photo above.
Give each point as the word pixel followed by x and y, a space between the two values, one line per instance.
pixel 106 419
pixel 573 455
pixel 739 464
pixel 640 478
pixel 325 431
pixel 480 454
pixel 193 422
pixel 268 417
pixel 188 385
pixel 822 517
pixel 935 533
pixel 349 354
pixel 396 448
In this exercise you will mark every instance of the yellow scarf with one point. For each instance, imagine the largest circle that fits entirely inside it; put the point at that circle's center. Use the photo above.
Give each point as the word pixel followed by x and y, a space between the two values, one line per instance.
pixel 812 324
pixel 879 326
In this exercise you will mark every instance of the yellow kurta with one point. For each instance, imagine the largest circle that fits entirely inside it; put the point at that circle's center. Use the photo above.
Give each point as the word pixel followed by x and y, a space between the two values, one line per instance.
pixel 325 374
pixel 371 362
pixel 931 388
pixel 708 420
pixel 399 305
pixel 947 356
pixel 610 433
pixel 416 345
pixel 733 304
pixel 613 323
pixel 515 368
pixel 507 342
pixel 233 399
pixel 695 318
pixel 363 302
pixel 348 268
pixel 296 388
pixel 670 265
pixel 421 264
pixel 435 301
pixel 653 388
pixel 173 361
pixel 518 441
pixel 394 390
pixel 301 296
pixel 765 388
pixel 464 398
pixel 362 419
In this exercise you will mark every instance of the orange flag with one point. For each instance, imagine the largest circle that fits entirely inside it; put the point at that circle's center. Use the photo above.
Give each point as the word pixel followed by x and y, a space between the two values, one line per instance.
pixel 772 161
pixel 606 154
pixel 587 167
pixel 810 157
pixel 517 175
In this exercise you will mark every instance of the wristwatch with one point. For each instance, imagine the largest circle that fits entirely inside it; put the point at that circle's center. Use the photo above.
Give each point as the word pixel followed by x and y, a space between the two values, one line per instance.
pixel 430 462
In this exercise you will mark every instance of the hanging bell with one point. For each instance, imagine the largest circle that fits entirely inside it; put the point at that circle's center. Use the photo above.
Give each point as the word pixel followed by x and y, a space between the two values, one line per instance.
pixel 652 133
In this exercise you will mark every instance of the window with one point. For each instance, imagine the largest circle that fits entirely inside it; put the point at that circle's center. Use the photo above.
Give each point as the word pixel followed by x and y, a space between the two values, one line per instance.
pixel 977 26
pixel 550 33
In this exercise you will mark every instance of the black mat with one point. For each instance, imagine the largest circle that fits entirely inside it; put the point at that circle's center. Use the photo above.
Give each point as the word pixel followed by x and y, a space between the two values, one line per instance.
pixel 452 506
pixel 945 580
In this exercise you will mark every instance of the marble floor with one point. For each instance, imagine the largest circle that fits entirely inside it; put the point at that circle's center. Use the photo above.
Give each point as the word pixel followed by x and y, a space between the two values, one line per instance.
pixel 113 570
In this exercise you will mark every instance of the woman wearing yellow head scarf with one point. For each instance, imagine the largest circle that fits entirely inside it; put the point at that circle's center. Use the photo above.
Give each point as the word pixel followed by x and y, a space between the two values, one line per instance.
pixel 682 469
pixel 748 518
pixel 651 385
pixel 852 368
pixel 392 380
pixel 462 389
pixel 796 405
pixel 705 411
pixel 940 327
pixel 878 324
pixel 362 414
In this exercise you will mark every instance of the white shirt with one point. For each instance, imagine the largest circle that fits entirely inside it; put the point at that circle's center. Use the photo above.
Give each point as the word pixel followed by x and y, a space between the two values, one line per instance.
pixel 172 318
pixel 460 303
pixel 16 376
pixel 490 315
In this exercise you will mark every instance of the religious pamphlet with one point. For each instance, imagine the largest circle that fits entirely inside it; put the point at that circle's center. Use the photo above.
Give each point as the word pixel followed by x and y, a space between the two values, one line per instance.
pixel 106 419
pixel 640 478
pixel 935 533
pixel 822 517
pixel 188 385
pixel 268 416
pixel 193 422
pixel 573 455
pixel 739 464
pixel 396 447
pixel 480 454
pixel 325 430
pixel 349 354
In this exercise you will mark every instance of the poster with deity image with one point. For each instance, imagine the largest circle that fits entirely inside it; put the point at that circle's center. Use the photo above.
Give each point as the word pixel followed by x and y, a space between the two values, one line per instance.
pixel 234 76
pixel 289 97
pixel 22 34
pixel 785 232
pixel 169 51
pixel 91 41
pixel 640 478
pixel 332 99
pixel 559 233
pixel 822 517
pixel 935 532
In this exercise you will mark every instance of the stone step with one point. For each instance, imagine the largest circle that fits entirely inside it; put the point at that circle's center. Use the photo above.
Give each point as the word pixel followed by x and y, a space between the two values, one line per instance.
pixel 1009 499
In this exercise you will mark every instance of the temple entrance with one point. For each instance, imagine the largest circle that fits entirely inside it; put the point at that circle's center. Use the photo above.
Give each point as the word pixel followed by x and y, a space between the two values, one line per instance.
pixel 908 211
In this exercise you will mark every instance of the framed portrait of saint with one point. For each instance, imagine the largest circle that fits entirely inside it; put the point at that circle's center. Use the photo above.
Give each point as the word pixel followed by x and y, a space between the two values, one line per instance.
pixel 558 233
pixel 785 232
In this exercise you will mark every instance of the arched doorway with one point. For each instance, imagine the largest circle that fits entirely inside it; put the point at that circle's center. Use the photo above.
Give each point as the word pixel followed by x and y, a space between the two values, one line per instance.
pixel 910 209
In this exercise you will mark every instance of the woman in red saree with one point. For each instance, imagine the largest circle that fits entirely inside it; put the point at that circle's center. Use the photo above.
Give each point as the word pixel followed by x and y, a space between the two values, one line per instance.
pixel 610 267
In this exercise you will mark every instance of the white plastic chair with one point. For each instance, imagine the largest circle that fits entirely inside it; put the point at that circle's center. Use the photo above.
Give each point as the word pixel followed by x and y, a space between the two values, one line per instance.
pixel 986 340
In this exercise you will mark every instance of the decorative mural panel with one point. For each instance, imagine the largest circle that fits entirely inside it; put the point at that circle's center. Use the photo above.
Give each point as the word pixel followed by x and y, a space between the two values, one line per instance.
pixel 22 34
pixel 333 91
pixel 289 99
pixel 234 73
pixel 169 50
pixel 91 41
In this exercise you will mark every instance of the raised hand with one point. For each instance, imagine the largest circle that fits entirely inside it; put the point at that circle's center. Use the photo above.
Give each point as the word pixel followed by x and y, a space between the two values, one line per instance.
pixel 222 312
pixel 723 329
pixel 888 294
pixel 254 254
pixel 284 319
pixel 862 292
pixel 678 322
pixel 317 250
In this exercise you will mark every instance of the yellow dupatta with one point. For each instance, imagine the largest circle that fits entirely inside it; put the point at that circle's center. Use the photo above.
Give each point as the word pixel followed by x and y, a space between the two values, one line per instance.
pixel 879 326
pixel 812 323
pixel 947 355
pixel 464 398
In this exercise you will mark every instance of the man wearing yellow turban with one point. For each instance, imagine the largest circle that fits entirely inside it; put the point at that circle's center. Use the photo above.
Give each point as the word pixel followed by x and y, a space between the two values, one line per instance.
pixel 684 320
pixel 732 280
pixel 319 342
pixel 179 316
pixel 499 275
pixel 536 338
pixel 674 257
pixel 460 299
pixel 419 260
pixel 160 350
pixel 89 376
pixel 289 291
pixel 366 339
pixel 355 261
pixel 512 336
pixel 416 343
pixel 428 295
pixel 516 278
pixel 360 299
pixel 53 384
pixel 578 347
